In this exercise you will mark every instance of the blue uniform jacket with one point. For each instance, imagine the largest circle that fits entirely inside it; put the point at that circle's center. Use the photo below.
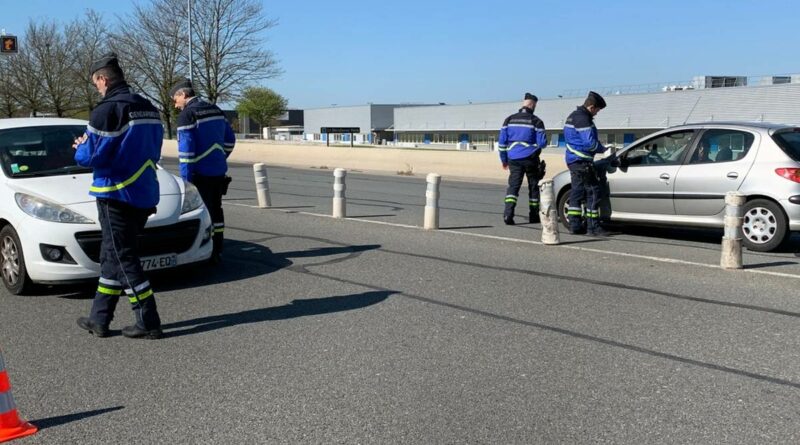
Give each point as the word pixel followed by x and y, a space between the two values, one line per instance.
pixel 123 145
pixel 581 137
pixel 521 136
pixel 205 140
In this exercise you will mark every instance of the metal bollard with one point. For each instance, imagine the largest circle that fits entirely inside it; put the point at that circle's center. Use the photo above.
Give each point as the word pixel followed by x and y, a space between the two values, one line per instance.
pixel 432 202
pixel 731 243
pixel 548 212
pixel 339 200
pixel 262 185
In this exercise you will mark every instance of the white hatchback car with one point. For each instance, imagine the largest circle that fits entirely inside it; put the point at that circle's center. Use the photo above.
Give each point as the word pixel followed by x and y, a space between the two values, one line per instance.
pixel 49 232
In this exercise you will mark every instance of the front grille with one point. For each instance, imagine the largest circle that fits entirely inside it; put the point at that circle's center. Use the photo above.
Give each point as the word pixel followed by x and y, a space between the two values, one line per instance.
pixel 176 238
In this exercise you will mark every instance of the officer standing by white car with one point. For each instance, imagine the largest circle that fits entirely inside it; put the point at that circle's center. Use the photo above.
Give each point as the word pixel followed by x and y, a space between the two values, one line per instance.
pixel 122 144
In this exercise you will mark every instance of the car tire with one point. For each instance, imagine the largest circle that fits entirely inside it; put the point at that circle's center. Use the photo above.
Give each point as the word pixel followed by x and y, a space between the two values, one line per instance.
pixel 764 225
pixel 12 268
pixel 563 203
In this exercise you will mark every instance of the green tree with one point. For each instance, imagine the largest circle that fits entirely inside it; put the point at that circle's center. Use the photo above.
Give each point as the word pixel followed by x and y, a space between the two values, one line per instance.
pixel 261 104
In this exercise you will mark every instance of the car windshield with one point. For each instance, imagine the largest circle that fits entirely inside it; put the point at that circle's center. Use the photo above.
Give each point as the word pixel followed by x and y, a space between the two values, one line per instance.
pixel 40 151
pixel 789 141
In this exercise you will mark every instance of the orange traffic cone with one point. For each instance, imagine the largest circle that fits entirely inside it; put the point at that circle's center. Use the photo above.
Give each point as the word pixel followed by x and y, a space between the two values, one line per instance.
pixel 11 426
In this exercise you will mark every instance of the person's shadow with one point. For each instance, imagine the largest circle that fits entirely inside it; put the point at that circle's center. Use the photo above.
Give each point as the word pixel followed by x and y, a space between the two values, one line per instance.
pixel 295 309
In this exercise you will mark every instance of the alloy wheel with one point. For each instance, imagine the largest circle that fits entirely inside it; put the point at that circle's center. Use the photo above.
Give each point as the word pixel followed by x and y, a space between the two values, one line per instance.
pixel 10 267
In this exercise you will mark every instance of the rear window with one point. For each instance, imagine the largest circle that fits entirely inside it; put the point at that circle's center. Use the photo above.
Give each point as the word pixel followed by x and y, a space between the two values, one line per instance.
pixel 40 151
pixel 789 142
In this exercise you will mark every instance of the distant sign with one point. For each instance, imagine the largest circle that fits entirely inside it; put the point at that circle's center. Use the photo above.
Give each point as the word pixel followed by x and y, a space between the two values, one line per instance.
pixel 340 130
pixel 8 44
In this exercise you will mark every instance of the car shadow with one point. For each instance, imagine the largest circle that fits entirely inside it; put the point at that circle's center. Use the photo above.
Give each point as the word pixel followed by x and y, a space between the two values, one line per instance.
pixel 242 260
pixel 295 309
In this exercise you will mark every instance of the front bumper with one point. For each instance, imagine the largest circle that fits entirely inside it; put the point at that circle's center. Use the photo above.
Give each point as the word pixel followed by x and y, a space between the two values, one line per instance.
pixel 189 238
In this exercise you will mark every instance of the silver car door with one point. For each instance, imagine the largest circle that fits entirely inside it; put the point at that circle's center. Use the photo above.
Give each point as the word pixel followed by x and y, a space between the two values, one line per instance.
pixel 718 165
pixel 644 181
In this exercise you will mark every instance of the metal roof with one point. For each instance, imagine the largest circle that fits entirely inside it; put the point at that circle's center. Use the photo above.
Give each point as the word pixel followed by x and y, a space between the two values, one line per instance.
pixel 771 103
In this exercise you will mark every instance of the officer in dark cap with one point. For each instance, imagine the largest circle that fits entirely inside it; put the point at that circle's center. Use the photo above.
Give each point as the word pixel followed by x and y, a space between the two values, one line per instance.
pixel 522 138
pixel 205 140
pixel 582 144
pixel 122 144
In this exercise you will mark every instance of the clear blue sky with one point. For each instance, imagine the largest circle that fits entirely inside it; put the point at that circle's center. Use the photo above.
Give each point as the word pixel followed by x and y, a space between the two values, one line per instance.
pixel 352 52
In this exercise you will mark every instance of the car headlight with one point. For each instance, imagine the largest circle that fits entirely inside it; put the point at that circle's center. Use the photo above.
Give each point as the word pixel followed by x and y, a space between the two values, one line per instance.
pixel 191 198
pixel 48 211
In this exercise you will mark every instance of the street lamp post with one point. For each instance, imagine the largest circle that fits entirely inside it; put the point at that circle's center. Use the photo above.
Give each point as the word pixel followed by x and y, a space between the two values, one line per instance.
pixel 191 51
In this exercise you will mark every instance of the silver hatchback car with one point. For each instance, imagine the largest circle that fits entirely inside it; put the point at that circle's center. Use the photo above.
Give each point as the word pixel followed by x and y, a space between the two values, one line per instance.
pixel 679 177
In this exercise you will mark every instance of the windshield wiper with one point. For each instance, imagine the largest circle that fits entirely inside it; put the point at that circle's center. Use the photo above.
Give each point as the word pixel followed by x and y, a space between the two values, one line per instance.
pixel 55 171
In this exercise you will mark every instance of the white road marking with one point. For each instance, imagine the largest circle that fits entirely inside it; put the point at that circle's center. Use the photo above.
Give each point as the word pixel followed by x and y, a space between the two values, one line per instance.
pixel 517 240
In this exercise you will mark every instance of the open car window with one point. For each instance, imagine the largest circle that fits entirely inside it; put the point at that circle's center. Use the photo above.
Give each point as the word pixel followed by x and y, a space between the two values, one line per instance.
pixel 40 151
pixel 667 149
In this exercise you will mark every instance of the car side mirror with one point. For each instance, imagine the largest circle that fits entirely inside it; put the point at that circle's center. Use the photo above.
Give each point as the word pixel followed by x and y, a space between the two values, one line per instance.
pixel 623 163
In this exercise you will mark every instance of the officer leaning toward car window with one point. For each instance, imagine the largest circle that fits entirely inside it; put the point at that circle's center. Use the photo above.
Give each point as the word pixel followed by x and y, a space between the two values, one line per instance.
pixel 205 140
pixel 582 144
pixel 522 138
pixel 122 144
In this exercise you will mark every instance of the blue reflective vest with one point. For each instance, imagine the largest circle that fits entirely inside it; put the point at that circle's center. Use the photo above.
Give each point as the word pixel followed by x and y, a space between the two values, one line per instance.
pixel 521 136
pixel 123 145
pixel 205 140
pixel 581 137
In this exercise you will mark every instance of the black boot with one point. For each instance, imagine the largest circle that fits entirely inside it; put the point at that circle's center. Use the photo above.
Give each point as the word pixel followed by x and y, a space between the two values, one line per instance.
pixel 95 329
pixel 137 332
pixel 533 217
pixel 508 213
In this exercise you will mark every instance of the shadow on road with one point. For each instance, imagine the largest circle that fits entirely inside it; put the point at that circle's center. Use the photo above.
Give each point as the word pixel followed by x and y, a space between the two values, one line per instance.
pixel 295 309
pixel 50 422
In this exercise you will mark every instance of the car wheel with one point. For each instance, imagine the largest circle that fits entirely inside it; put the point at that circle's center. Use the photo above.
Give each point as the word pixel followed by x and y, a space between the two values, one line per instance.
pixel 764 225
pixel 563 205
pixel 15 275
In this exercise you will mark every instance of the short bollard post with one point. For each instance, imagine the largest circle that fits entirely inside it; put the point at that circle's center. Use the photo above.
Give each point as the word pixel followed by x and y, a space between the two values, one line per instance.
pixel 262 185
pixel 339 200
pixel 548 212
pixel 432 202
pixel 731 243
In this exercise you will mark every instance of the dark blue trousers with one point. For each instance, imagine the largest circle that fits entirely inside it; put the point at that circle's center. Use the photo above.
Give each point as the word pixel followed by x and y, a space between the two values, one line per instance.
pixel 211 189
pixel 518 170
pixel 585 188
pixel 120 268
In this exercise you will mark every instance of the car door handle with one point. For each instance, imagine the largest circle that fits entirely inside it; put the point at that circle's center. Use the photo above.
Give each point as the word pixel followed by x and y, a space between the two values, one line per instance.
pixel 733 175
pixel 664 177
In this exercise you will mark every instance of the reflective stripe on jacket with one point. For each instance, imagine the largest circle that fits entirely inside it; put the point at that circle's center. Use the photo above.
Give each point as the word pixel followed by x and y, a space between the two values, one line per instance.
pixel 581 137
pixel 521 136
pixel 205 140
pixel 123 145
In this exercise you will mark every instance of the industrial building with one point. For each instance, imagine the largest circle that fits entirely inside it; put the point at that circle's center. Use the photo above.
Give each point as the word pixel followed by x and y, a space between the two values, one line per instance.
pixel 374 122
pixel 626 118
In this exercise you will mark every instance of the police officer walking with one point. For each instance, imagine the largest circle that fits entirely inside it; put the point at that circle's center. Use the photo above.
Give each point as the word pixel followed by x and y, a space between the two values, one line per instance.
pixel 205 140
pixel 122 144
pixel 522 138
pixel 582 144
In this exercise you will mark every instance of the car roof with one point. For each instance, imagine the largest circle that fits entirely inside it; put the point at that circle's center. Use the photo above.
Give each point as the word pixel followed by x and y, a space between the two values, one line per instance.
pixel 21 122
pixel 753 125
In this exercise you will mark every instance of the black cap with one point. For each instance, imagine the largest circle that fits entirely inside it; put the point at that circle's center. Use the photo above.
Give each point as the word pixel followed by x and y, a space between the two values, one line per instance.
pixel 108 60
pixel 181 84
pixel 598 100
pixel 529 96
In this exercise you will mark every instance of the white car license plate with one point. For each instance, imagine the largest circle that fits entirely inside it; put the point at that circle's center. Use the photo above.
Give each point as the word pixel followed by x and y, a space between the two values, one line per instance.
pixel 159 261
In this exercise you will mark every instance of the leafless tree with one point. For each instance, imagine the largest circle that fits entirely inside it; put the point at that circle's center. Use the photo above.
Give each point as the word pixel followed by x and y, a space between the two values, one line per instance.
pixel 89 37
pixel 49 52
pixel 151 43
pixel 229 38
pixel 9 105
pixel 24 74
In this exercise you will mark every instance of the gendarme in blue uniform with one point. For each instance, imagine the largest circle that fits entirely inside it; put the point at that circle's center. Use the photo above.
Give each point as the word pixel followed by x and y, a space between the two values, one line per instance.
pixel 123 147
pixel 205 140
pixel 522 138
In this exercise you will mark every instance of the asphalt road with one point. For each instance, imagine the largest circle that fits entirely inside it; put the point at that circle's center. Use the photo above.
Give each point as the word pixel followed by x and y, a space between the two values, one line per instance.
pixel 371 330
